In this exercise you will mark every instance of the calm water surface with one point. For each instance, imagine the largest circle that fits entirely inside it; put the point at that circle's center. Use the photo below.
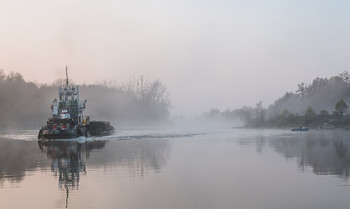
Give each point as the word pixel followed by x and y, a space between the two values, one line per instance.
pixel 150 169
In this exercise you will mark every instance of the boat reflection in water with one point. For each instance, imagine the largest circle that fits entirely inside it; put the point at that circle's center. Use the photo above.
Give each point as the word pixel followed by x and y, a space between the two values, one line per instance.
pixel 69 160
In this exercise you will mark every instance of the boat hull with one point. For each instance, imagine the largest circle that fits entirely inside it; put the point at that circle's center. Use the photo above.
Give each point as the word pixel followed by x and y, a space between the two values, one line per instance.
pixel 95 129
pixel 300 129
pixel 100 128
pixel 57 136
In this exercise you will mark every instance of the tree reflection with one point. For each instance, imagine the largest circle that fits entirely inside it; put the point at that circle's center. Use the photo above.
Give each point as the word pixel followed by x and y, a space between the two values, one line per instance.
pixel 69 160
pixel 16 158
pixel 326 153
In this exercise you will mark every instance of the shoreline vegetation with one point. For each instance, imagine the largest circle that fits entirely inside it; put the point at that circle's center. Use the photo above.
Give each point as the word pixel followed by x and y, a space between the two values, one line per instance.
pixel 321 104
pixel 26 105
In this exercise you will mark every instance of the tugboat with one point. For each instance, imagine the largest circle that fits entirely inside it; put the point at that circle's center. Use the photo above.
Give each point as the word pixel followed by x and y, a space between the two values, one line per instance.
pixel 68 120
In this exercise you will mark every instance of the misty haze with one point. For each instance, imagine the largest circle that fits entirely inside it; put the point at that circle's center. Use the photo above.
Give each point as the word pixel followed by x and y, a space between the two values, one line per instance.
pixel 174 104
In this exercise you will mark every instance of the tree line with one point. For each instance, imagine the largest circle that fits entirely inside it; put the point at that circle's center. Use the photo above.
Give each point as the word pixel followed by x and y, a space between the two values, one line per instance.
pixel 321 103
pixel 139 101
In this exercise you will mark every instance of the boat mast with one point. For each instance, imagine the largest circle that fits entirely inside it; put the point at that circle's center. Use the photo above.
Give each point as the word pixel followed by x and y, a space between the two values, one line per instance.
pixel 66 75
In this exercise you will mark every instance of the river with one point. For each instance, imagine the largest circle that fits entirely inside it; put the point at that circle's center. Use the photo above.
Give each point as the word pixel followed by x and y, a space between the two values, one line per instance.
pixel 172 168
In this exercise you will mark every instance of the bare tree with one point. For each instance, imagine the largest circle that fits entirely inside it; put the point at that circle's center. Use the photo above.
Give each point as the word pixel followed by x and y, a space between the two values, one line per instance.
pixel 302 89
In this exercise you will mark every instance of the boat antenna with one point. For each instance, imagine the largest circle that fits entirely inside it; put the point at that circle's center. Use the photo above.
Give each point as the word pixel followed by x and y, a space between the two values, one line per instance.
pixel 66 75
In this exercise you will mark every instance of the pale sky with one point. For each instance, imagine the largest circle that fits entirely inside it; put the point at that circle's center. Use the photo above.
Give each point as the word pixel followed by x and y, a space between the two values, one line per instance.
pixel 209 53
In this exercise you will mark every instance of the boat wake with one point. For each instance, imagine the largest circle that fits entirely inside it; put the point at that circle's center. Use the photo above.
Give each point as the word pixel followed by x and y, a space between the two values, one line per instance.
pixel 30 135
pixel 155 136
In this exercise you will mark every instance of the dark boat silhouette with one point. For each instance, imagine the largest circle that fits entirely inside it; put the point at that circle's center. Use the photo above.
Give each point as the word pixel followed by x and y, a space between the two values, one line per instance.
pixel 300 129
pixel 68 120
